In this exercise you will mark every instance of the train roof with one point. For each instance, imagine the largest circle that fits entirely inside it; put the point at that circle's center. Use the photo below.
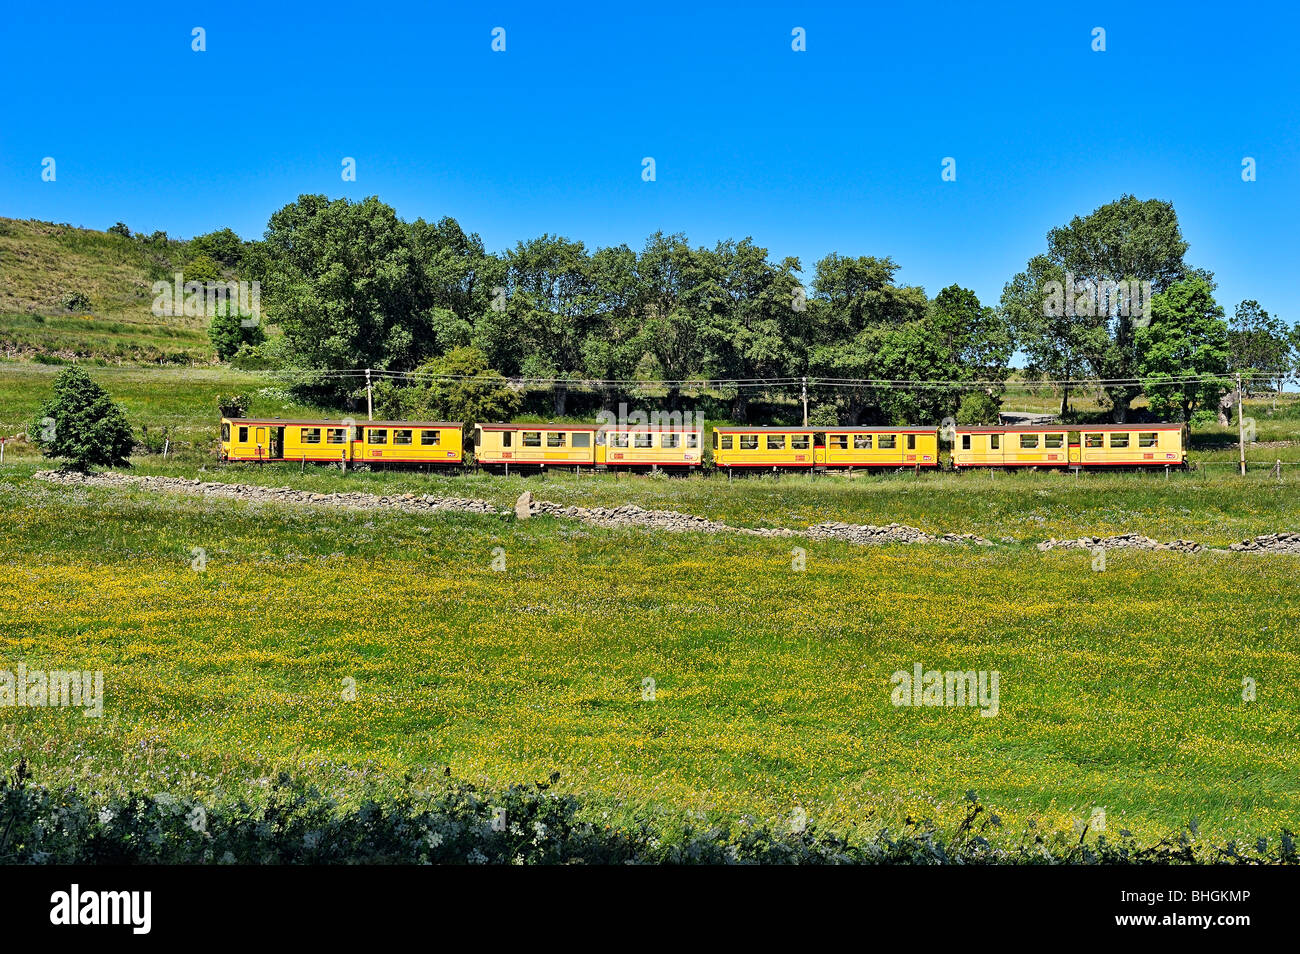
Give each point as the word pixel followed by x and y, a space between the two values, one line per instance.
pixel 864 429
pixel 539 426
pixel 334 422
pixel 1058 428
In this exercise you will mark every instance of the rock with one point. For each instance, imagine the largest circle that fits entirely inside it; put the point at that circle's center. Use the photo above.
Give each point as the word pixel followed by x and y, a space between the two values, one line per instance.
pixel 524 505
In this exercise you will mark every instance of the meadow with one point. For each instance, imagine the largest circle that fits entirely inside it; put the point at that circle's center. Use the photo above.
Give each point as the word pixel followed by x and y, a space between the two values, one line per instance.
pixel 358 650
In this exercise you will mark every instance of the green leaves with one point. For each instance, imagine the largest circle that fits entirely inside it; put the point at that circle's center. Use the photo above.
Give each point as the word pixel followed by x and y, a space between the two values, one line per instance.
pixel 81 425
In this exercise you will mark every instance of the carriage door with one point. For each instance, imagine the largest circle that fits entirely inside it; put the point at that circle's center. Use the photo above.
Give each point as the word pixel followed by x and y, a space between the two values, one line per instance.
pixel 259 437
pixel 1075 455
pixel 277 443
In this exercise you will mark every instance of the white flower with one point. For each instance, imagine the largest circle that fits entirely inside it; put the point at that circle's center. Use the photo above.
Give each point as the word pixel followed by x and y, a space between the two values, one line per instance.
pixel 434 839
pixel 105 816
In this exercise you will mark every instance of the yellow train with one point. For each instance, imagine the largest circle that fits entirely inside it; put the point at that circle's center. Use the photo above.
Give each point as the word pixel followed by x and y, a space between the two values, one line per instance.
pixel 587 445
pixel 1060 445
pixel 834 447
pixel 369 442
pixel 498 446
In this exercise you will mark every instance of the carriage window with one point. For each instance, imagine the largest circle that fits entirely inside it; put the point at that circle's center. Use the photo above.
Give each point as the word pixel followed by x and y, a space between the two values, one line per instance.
pixel 862 442
pixel 693 440
pixel 581 439
pixel 243 435
pixel 715 440
pixel 309 435
pixel 617 440
pixel 671 440
pixel 430 438
pixel 995 441
pixel 642 439
pixel 726 441
pixel 839 441
pixel 1119 440
pixel 1028 440
pixel 225 431
pixel 335 435
pixel 555 438
pixel 776 442
pixel 1092 440
pixel 888 442
pixel 749 442
pixel 965 442
pixel 356 432
pixel 799 441
pixel 377 436
pixel 532 438
pixel 506 438
pixel 1147 439
pixel 402 436
pixel 911 442
pixel 1053 440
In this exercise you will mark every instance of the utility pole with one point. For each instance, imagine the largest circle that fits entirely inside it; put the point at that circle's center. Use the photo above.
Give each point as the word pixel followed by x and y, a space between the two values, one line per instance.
pixel 370 399
pixel 1241 428
pixel 804 389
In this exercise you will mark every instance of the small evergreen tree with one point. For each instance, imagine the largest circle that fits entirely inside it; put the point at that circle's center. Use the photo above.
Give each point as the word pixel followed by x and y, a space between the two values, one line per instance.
pixel 81 425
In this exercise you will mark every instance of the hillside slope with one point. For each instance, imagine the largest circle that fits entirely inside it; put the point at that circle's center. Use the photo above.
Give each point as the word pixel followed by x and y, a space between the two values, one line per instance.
pixel 42 264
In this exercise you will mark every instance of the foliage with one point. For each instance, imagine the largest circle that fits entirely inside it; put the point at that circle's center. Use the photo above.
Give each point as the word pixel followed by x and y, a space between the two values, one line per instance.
pixel 81 425
pixel 229 332
pixel 1186 336
pixel 459 386
pixel 459 823
pixel 223 247
pixel 978 407
pixel 1261 343
pixel 1122 241
pixel 119 228
pixel 75 301
pixel 234 405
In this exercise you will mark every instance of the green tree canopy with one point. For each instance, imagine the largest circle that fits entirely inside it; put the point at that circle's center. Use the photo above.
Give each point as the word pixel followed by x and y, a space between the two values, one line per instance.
pixel 81 425
pixel 1187 336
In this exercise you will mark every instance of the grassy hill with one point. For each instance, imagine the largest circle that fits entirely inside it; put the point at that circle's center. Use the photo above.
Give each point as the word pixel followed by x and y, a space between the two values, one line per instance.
pixel 42 265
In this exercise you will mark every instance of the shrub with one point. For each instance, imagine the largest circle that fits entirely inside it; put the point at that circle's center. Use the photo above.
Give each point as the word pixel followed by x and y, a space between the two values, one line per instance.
pixel 234 405
pixel 75 301
pixel 119 228
pixel 978 407
pixel 457 823
pixel 81 425
pixel 229 334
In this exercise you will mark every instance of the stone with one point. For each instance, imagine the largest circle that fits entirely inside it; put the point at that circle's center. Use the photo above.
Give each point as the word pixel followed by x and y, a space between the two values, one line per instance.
pixel 524 505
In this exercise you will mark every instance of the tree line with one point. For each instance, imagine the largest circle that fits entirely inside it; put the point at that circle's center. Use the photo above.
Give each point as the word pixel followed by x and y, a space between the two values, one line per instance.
pixel 351 285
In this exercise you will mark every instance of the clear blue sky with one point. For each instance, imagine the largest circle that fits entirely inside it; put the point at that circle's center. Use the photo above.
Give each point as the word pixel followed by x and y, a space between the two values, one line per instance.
pixel 837 148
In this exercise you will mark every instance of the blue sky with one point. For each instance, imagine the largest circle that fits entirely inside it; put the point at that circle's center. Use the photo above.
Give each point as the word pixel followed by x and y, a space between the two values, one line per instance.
pixel 838 148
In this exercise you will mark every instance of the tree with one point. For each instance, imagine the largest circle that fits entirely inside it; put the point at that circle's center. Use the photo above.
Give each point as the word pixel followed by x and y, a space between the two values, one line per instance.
pixel 81 425
pixel 1187 338
pixel 346 284
pixel 202 268
pixel 1084 331
pixel 222 246
pixel 978 407
pixel 459 386
pixel 119 228
pixel 1259 344
pixel 228 333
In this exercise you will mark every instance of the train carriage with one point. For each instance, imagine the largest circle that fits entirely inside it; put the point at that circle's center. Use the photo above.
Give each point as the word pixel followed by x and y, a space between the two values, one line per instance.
pixel 677 448
pixel 370 442
pixel 536 445
pixel 1060 445
pixel 843 447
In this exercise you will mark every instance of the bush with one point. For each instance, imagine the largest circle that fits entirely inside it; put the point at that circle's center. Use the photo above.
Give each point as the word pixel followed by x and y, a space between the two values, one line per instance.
pixel 81 425
pixel 75 301
pixel 234 405
pixel 119 228
pixel 456 823
pixel 229 334
pixel 978 407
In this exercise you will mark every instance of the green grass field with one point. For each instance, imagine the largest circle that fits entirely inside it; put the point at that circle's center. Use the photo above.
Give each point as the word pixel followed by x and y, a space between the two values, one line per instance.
pixel 1120 689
